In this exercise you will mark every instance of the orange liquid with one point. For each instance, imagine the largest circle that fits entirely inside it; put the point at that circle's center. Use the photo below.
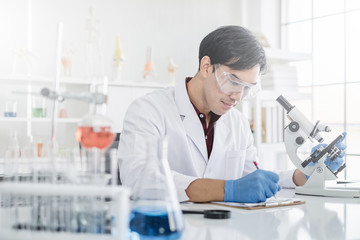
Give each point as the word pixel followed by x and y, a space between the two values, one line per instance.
pixel 99 137
pixel 39 148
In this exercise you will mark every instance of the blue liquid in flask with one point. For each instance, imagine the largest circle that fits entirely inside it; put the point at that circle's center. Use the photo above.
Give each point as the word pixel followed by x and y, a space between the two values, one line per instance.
pixel 152 224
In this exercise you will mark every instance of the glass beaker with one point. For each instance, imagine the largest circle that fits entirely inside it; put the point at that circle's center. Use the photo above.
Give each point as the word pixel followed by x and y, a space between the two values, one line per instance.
pixel 10 109
pixel 38 109
pixel 156 212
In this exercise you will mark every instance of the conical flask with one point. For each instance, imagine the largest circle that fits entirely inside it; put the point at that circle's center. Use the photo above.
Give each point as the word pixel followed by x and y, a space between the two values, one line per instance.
pixel 156 212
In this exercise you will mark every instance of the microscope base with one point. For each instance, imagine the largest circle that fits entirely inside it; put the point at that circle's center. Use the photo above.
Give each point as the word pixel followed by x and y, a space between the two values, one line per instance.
pixel 329 192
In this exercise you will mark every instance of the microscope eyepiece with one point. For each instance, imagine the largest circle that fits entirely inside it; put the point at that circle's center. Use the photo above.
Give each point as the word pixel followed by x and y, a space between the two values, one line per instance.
pixel 284 103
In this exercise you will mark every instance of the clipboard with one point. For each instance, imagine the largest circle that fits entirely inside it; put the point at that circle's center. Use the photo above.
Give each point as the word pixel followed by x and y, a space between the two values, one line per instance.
pixel 270 203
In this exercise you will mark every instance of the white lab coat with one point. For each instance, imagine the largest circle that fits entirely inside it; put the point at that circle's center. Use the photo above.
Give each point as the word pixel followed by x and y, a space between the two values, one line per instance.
pixel 169 112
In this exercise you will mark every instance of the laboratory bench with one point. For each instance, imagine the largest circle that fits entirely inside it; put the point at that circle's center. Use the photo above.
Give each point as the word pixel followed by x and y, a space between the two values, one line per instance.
pixel 319 218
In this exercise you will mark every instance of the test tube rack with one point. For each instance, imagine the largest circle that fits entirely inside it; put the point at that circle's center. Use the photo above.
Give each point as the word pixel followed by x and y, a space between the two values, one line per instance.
pixel 65 202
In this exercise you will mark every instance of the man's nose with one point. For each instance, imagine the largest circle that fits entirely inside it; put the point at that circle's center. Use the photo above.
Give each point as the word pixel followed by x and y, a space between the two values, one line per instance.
pixel 236 96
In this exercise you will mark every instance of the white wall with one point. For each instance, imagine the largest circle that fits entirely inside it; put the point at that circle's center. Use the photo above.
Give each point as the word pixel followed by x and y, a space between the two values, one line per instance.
pixel 173 27
pixel 263 16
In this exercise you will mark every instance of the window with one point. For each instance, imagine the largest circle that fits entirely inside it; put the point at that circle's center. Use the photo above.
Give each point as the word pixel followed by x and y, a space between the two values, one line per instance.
pixel 328 29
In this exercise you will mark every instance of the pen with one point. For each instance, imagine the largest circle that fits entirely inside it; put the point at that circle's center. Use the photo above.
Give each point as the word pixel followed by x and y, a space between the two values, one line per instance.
pixel 257 167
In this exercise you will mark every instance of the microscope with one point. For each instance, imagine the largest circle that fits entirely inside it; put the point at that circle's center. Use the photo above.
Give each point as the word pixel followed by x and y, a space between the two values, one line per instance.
pixel 296 134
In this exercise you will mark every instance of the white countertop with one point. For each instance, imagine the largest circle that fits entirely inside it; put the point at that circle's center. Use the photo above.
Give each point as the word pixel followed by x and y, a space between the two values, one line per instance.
pixel 318 218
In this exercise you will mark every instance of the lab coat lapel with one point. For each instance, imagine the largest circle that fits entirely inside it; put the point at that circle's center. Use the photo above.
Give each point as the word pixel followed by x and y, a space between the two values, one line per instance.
pixel 221 139
pixel 191 122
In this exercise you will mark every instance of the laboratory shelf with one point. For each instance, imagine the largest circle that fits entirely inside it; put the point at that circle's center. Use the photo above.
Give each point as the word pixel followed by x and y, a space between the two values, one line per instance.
pixel 68 120
pixel 22 88
pixel 12 119
pixel 40 120
pixel 23 79
pixel 140 84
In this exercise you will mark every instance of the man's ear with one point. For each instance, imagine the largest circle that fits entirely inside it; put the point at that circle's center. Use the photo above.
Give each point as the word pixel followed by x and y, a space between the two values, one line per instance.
pixel 205 66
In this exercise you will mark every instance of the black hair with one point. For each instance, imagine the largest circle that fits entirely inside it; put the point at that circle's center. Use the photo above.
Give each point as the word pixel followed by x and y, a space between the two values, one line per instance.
pixel 233 46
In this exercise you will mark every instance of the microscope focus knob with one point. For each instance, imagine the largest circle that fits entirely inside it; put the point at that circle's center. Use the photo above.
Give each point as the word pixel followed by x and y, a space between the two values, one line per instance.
pixel 300 140
pixel 294 126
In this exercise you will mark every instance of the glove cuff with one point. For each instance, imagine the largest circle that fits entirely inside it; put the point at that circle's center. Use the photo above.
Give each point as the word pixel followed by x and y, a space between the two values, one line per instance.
pixel 229 191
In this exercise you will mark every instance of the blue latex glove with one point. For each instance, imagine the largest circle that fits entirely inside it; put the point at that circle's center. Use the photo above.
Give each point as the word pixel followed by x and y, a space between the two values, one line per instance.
pixel 255 187
pixel 333 165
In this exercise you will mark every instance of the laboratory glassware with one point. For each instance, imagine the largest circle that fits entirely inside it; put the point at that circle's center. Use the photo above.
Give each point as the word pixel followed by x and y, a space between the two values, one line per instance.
pixel 172 67
pixel 94 55
pixel 118 61
pixel 38 109
pixel 156 212
pixel 10 109
pixel 95 131
pixel 66 61
pixel 149 69
pixel 95 135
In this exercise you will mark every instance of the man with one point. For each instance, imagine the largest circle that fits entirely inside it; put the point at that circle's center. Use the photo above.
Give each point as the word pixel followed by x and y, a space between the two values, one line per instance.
pixel 211 149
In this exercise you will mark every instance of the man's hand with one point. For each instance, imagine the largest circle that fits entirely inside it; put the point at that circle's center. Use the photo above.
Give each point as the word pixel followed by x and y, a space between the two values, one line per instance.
pixel 255 187
pixel 337 162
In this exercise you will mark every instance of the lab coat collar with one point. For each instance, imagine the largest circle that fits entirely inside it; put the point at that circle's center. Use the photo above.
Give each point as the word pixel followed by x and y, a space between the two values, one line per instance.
pixel 192 123
pixel 182 100
pixel 190 119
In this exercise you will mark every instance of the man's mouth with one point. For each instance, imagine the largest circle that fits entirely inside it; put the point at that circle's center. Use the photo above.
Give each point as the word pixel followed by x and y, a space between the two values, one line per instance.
pixel 228 105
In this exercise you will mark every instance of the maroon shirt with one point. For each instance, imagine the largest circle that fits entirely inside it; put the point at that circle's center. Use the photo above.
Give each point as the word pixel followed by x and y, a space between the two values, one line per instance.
pixel 209 130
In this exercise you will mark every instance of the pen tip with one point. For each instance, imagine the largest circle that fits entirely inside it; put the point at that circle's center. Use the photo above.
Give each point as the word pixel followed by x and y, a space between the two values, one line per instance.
pixel 256 165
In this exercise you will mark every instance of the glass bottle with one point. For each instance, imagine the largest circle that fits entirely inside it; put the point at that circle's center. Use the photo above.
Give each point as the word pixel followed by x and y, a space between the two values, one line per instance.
pixel 156 212
pixel 172 67
pixel 149 69
pixel 118 61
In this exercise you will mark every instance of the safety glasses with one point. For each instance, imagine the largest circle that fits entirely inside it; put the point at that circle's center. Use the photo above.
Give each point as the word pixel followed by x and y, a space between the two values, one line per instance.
pixel 230 84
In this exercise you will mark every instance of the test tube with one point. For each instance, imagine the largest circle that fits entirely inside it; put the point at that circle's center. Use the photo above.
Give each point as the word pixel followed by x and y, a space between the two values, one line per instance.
pixel 114 168
pixel 35 215
pixel 12 155
pixel 75 159
pixel 113 206
pixel 45 208
pixel 100 199
pixel 28 154
pixel 9 171
pixel 15 196
pixel 62 181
